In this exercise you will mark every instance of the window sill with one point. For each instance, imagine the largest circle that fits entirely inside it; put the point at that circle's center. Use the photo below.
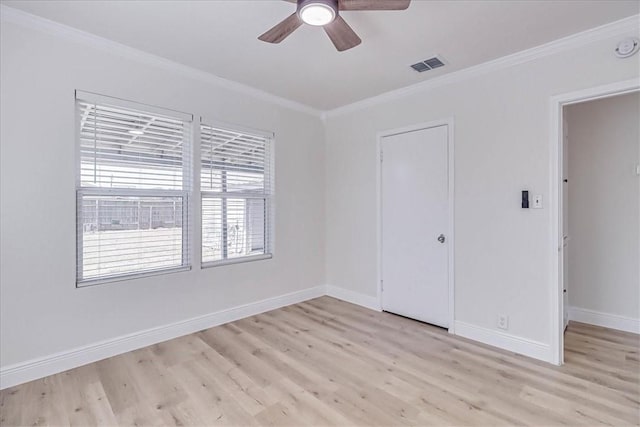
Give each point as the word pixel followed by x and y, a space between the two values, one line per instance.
pixel 238 260
pixel 129 276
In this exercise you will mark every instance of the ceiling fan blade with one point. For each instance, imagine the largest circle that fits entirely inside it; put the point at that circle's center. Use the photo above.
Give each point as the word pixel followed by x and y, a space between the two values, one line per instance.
pixel 374 4
pixel 341 34
pixel 282 30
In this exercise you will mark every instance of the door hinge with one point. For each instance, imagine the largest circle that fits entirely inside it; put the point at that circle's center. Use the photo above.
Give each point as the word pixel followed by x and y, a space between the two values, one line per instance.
pixel 381 156
pixel 381 285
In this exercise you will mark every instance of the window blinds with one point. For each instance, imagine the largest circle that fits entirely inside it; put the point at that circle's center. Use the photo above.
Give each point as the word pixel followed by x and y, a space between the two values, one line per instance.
pixel 132 188
pixel 236 182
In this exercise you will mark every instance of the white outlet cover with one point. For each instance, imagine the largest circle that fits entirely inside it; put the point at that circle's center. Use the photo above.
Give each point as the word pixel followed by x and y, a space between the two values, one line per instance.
pixel 503 321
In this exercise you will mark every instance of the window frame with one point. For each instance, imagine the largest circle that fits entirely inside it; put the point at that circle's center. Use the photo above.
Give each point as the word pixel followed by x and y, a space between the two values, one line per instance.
pixel 268 197
pixel 185 193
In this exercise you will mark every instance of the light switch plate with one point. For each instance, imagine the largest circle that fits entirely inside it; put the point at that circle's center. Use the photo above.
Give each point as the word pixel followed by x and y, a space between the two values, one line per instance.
pixel 537 201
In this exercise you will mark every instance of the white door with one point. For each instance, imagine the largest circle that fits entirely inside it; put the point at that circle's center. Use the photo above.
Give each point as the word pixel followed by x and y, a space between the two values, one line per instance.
pixel 415 215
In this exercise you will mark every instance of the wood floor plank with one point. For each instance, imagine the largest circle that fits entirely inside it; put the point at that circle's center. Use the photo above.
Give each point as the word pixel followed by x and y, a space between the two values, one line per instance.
pixel 326 362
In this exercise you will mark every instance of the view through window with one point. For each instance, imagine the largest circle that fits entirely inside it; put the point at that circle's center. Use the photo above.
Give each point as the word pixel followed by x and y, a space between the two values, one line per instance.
pixel 133 189
pixel 236 187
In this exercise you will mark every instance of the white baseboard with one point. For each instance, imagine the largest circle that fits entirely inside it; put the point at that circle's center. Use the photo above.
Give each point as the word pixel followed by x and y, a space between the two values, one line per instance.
pixel 356 298
pixel 41 367
pixel 515 344
pixel 598 318
pixel 526 347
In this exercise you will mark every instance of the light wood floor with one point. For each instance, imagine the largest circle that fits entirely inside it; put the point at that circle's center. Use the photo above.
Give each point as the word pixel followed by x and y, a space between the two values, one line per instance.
pixel 327 362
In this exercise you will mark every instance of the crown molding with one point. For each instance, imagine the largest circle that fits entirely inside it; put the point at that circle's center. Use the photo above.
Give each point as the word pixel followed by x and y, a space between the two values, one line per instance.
pixel 624 27
pixel 19 17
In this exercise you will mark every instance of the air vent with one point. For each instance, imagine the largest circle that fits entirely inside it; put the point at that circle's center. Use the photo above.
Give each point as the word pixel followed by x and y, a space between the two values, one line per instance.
pixel 420 67
pixel 428 64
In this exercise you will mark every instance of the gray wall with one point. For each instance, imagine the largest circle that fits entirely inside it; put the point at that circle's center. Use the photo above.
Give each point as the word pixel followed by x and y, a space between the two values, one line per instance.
pixel 502 130
pixel 41 311
pixel 604 205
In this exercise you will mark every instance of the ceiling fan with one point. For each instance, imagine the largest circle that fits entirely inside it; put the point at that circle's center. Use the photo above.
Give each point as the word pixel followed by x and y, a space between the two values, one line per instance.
pixel 326 14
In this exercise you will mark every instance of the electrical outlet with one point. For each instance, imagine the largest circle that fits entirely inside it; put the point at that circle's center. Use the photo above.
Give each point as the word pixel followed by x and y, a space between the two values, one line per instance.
pixel 503 321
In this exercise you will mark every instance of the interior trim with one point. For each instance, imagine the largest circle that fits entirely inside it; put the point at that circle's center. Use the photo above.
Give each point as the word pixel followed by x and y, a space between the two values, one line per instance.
pixel 556 140
pixel 55 363
pixel 59 362
pixel 356 298
pixel 505 341
pixel 19 17
pixel 606 320
pixel 626 26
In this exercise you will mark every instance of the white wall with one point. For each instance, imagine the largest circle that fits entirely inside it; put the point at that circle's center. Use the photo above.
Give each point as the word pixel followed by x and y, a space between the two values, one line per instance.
pixel 604 205
pixel 502 134
pixel 41 311
pixel 502 128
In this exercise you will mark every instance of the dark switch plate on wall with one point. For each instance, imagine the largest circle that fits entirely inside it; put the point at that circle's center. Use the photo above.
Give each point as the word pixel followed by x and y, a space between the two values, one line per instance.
pixel 525 199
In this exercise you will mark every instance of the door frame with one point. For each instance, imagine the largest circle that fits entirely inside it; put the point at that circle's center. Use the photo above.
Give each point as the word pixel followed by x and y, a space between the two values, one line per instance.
pixel 449 122
pixel 556 208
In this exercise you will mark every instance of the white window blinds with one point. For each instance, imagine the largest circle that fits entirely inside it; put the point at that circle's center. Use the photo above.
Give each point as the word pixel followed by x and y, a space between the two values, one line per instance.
pixel 236 183
pixel 132 189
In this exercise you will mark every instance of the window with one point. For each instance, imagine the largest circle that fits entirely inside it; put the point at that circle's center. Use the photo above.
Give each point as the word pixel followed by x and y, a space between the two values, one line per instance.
pixel 133 184
pixel 236 180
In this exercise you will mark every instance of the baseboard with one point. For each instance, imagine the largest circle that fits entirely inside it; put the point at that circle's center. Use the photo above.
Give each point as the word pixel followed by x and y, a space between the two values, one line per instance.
pixel 59 362
pixel 598 318
pixel 515 344
pixel 526 347
pixel 41 367
pixel 356 298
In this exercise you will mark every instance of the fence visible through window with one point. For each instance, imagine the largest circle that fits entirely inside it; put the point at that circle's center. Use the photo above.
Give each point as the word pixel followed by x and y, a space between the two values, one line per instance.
pixel 133 189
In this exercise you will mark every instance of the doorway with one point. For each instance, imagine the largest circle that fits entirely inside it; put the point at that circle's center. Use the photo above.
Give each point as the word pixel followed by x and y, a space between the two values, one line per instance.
pixel 595 209
pixel 416 230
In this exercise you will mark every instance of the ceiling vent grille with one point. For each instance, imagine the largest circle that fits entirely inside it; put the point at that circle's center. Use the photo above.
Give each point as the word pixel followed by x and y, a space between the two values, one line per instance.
pixel 428 64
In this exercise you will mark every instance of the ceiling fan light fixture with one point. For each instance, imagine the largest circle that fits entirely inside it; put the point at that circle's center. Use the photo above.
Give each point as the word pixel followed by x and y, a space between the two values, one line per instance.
pixel 318 12
pixel 326 13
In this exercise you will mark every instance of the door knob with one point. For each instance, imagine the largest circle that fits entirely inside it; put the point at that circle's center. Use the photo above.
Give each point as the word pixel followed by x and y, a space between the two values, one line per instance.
pixel 441 238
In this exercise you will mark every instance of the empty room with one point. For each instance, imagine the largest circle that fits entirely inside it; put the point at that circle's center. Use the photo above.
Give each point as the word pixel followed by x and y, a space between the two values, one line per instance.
pixel 319 212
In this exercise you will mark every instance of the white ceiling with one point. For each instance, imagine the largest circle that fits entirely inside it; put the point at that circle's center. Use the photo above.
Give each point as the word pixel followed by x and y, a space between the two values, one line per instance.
pixel 220 37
